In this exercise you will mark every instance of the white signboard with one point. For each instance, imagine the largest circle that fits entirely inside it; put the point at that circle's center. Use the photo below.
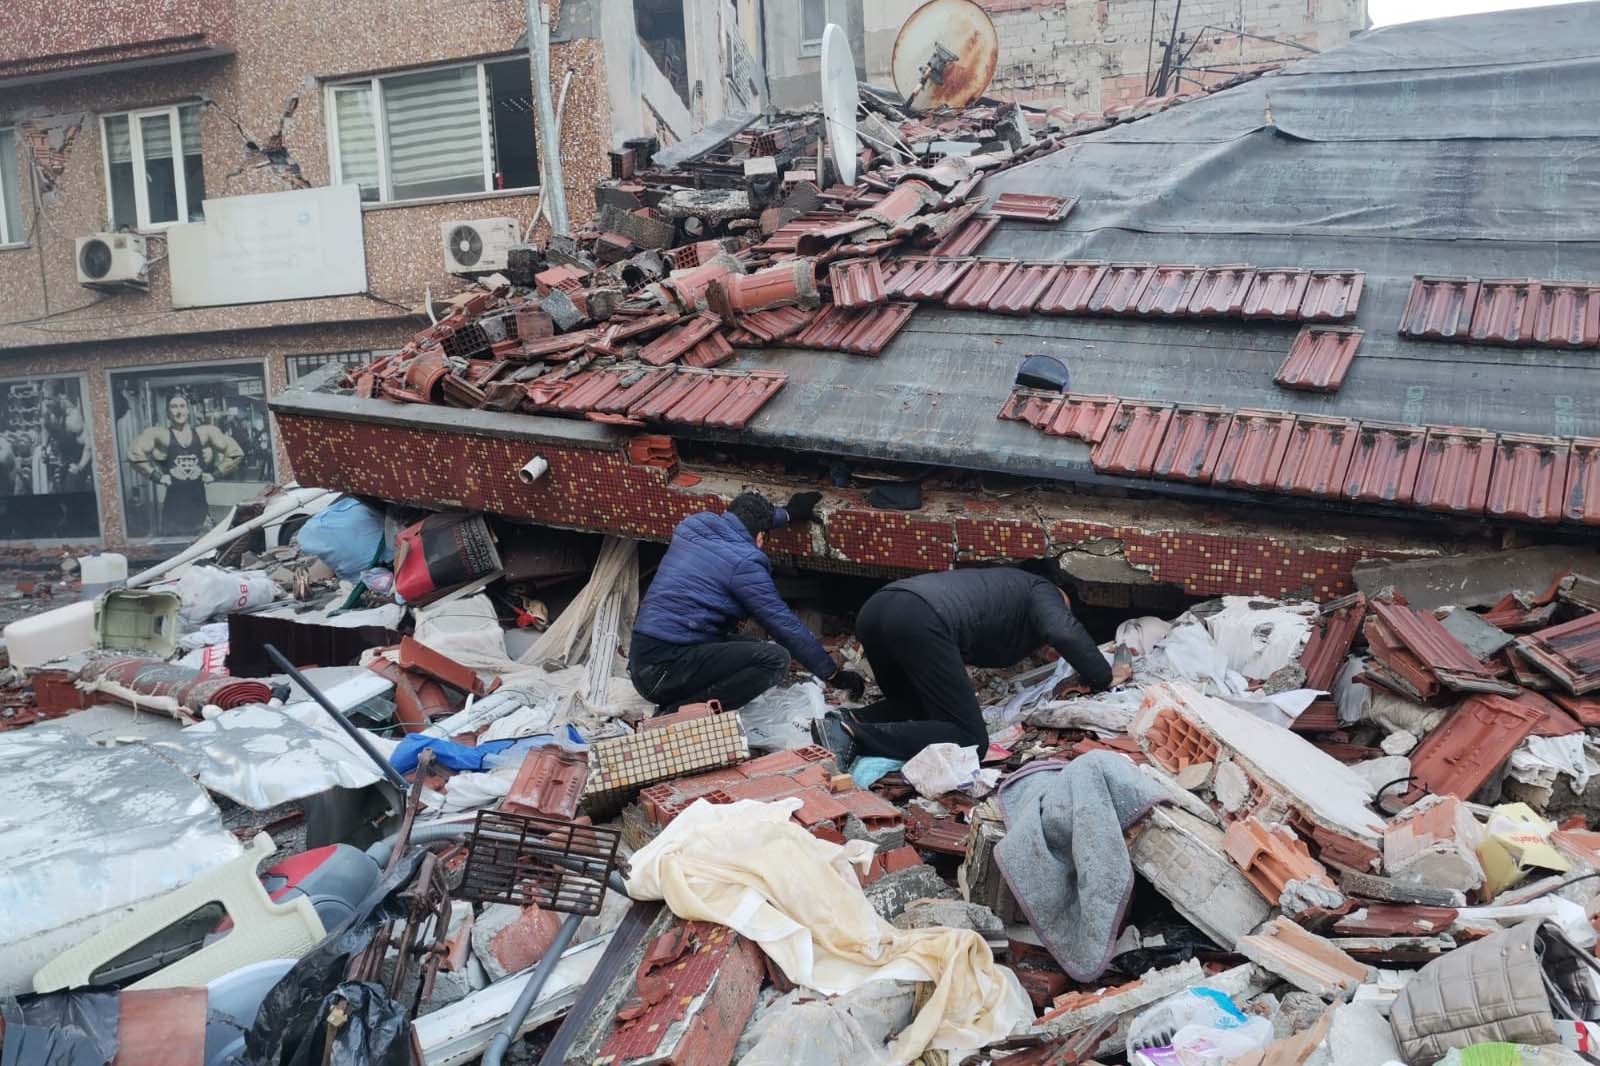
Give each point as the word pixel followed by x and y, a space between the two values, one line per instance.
pixel 274 246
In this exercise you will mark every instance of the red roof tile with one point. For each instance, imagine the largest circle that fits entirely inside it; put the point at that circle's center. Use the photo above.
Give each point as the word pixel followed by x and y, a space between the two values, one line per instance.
pixel 1120 289
pixel 1581 499
pixel 1069 291
pixel 875 328
pixel 1169 291
pixel 1253 452
pixel 1569 652
pixel 1081 417
pixel 1530 478
pixel 549 783
pixel 1193 444
pixel 1022 290
pixel 787 236
pixel 980 285
pixel 1332 295
pixel 1030 208
pixel 712 351
pixel 1133 439
pixel 907 199
pixel 857 282
pixel 678 340
pixel 1221 290
pixel 1383 467
pixel 1276 294
pixel 775 323
pixel 1317 457
pixel 968 238
pixel 1033 406
pixel 926 279
pixel 1319 359
pixel 1466 749
pixel 1439 308
pixel 1335 632
pixel 1454 473
pixel 1563 315
pixel 1498 313
pixel 827 330
pixel 1425 637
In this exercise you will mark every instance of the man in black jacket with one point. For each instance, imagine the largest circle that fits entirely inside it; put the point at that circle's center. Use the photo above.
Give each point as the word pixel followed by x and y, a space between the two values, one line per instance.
pixel 920 634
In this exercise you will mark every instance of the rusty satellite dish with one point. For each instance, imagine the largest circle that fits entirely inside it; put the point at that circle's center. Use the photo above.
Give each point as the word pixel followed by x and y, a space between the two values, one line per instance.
pixel 945 55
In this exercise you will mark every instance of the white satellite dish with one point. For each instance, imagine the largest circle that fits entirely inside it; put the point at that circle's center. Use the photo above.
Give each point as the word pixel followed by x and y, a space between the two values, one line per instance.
pixel 839 100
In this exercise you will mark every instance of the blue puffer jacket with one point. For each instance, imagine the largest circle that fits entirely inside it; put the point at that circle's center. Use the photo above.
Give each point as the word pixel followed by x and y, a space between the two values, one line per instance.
pixel 712 577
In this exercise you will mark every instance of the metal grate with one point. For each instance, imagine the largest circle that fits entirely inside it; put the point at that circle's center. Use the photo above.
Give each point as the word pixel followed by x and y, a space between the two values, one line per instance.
pixel 529 861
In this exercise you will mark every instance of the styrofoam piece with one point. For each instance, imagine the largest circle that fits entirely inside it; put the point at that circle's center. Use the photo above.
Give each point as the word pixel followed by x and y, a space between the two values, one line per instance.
pixel 64 631
pixel 1183 858
pixel 262 929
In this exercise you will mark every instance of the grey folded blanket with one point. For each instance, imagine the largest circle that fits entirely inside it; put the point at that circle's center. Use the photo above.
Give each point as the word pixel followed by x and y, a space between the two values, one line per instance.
pixel 1064 855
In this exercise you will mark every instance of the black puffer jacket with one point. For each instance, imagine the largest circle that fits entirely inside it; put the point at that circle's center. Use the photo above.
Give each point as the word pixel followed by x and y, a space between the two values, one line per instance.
pixel 1001 616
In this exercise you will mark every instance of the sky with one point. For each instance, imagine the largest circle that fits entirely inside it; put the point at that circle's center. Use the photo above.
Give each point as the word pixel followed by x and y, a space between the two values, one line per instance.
pixel 1386 12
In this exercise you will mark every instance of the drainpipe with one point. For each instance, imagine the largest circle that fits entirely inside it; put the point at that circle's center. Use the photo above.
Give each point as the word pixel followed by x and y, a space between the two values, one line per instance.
pixel 554 193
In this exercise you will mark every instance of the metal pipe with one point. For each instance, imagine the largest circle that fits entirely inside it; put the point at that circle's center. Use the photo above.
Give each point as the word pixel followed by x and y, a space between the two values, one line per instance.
pixel 530 992
pixel 389 772
pixel 549 136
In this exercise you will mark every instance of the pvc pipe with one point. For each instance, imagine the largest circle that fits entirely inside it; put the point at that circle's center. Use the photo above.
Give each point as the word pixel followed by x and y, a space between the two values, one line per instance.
pixel 432 833
pixel 294 500
pixel 533 470
pixel 530 992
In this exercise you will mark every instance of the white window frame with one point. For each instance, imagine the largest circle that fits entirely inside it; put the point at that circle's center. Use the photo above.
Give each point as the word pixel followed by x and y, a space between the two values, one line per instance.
pixel 141 190
pixel 8 178
pixel 374 85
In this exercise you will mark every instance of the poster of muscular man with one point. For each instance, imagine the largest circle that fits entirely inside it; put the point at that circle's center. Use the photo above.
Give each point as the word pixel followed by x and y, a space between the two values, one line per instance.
pixel 46 462
pixel 192 441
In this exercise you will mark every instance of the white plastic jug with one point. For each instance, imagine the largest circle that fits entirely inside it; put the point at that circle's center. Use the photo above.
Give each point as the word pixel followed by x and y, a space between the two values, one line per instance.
pixel 103 568
pixel 64 631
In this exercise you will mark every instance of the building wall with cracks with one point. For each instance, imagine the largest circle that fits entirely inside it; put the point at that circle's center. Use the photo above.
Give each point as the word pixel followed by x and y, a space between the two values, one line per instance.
pixel 258 73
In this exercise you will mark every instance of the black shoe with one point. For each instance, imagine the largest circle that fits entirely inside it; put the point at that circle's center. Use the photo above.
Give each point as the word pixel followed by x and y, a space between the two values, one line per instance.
pixel 829 732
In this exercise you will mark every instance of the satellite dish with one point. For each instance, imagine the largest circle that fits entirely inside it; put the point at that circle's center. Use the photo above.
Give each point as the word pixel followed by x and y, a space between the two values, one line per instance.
pixel 945 55
pixel 839 100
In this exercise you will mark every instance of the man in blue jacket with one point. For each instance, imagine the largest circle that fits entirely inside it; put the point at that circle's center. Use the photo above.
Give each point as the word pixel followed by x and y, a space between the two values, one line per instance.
pixel 714 576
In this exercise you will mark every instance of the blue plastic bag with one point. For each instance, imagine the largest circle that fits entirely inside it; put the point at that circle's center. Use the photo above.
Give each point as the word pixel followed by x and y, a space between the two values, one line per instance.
pixel 348 536
pixel 447 753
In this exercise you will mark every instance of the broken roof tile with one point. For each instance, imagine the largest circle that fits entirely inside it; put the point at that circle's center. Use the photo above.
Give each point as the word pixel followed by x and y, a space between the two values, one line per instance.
pixel 968 238
pixel 1221 290
pixel 1580 501
pixel 1338 622
pixel 1169 291
pixel 1069 291
pixel 1332 295
pixel 1120 288
pixel 1383 468
pixel 1466 749
pixel 1529 479
pixel 1037 407
pixel 980 284
pixel 1031 208
pixel 1453 476
pixel 873 329
pixel 1319 358
pixel 775 323
pixel 1425 637
pixel 1569 652
pixel 679 339
pixel 549 783
pixel 857 282
pixel 1563 315
pixel 1304 959
pixel 1133 439
pixel 1317 457
pixel 1276 293
pixel 1498 313
pixel 1193 443
pixel 787 236
pixel 1081 417
pixel 1253 451
pixel 1439 308
pixel 927 279
pixel 1021 291
pixel 712 351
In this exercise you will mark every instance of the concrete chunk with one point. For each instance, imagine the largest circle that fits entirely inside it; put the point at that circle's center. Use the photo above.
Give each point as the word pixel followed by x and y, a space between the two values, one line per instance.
pixel 1183 858
pixel 1305 960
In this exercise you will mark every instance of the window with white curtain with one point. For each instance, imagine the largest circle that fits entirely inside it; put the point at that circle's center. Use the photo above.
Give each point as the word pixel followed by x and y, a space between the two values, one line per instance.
pixel 154 170
pixel 449 131
pixel 10 190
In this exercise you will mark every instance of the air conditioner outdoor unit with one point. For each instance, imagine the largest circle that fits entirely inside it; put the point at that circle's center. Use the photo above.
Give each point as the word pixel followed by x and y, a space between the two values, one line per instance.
pixel 109 260
pixel 478 246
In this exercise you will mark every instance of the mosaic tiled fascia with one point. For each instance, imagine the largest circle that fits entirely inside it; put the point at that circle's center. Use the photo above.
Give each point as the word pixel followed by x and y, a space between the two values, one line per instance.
pixel 598 488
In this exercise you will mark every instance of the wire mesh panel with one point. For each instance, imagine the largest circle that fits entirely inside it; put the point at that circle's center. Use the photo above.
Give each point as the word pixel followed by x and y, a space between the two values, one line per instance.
pixel 620 766
pixel 526 860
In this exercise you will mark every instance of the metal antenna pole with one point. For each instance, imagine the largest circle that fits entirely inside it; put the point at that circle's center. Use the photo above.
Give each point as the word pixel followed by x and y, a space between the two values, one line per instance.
pixel 554 192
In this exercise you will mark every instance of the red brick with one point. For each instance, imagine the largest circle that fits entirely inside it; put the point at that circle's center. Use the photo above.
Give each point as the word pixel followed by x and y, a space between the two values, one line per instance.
pixel 871 808
pixel 763 788
pixel 779 762
pixel 818 807
pixel 524 942
pixel 901 858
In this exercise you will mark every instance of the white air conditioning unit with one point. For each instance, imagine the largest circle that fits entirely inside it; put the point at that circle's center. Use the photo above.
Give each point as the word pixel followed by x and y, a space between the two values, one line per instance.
pixel 479 246
pixel 109 260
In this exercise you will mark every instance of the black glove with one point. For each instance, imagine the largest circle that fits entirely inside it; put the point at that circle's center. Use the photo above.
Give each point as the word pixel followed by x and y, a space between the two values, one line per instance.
pixel 852 683
pixel 802 506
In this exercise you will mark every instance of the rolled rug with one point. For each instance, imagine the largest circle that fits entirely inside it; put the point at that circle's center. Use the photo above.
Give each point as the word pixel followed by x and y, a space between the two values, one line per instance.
pixel 150 684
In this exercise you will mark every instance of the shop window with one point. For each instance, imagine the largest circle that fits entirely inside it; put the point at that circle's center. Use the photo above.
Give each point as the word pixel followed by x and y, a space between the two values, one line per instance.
pixel 448 131
pixel 301 365
pixel 47 485
pixel 154 170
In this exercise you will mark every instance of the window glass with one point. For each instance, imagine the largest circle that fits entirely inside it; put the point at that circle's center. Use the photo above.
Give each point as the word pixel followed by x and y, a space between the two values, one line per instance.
pixel 46 461
pixel 160 168
pixel 435 127
pixel 194 172
pixel 357 129
pixel 11 186
pixel 511 124
pixel 119 162
pixel 813 19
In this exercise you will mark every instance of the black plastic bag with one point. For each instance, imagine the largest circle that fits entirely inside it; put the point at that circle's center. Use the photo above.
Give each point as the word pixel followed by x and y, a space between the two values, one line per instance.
pixel 376 1031
pixel 77 1028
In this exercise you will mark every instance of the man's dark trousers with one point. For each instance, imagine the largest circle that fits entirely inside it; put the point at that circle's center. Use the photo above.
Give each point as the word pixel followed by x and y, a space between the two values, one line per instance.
pixel 732 672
